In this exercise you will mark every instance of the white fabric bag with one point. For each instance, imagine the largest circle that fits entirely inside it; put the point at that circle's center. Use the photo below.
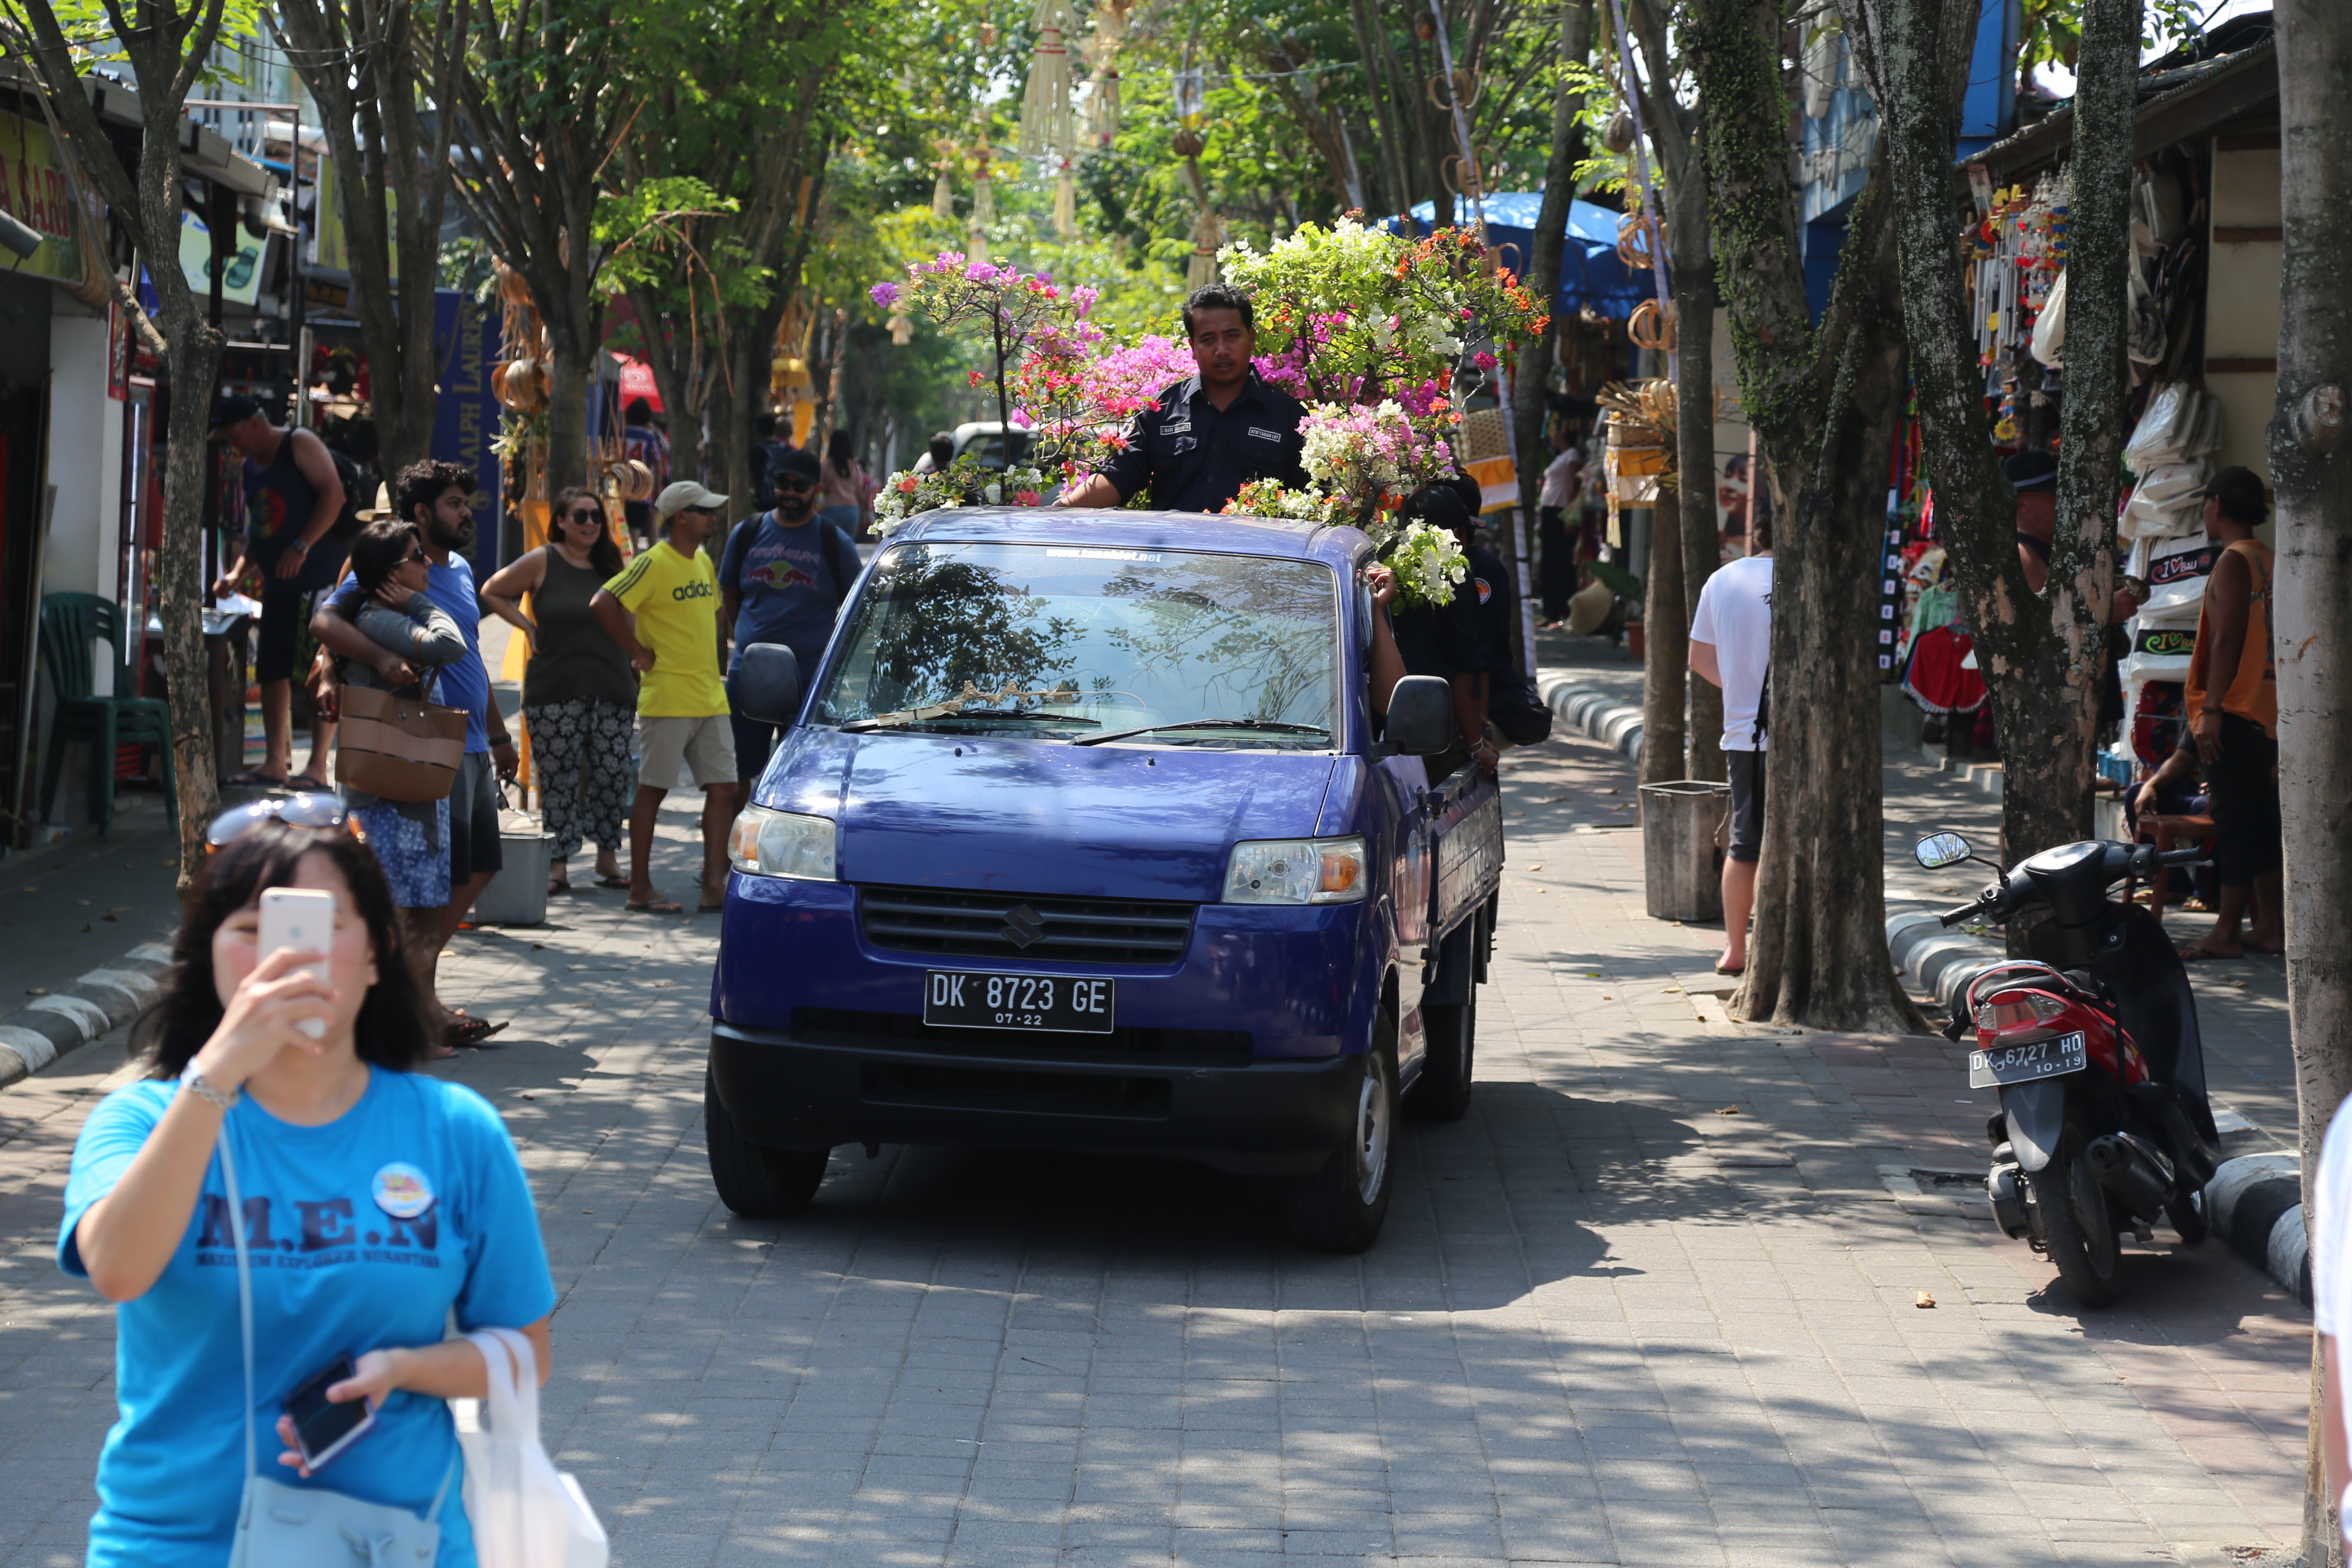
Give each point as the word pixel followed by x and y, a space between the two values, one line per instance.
pixel 525 1512
pixel 2048 344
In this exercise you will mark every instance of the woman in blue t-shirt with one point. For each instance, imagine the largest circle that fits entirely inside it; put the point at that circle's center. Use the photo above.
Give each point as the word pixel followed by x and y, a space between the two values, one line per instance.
pixel 375 1201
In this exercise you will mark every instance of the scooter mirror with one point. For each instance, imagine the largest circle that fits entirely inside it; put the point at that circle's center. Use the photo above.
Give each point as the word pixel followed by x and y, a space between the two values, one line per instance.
pixel 1939 850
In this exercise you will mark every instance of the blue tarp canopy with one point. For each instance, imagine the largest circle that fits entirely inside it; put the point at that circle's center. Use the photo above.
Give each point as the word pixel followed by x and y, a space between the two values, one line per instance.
pixel 1590 272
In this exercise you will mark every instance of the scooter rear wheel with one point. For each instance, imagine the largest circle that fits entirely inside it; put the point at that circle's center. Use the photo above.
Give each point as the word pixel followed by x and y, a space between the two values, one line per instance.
pixel 2076 1225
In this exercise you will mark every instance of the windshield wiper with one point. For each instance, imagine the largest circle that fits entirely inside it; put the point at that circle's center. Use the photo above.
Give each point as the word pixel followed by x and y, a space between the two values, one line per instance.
pixel 1278 725
pixel 899 721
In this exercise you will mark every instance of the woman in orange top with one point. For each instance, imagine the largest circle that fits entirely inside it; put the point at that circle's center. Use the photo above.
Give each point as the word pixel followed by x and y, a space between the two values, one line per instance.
pixel 2237 731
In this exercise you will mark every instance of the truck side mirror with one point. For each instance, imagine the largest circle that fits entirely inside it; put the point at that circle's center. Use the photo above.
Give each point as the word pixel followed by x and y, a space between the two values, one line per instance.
pixel 1421 716
pixel 768 684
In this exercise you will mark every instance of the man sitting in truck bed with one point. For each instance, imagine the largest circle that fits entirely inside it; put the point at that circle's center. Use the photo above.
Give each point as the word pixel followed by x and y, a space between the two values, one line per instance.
pixel 1440 640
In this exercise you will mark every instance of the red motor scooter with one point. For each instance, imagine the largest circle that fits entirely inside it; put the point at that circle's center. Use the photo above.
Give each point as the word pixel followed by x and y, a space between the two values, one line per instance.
pixel 2093 1046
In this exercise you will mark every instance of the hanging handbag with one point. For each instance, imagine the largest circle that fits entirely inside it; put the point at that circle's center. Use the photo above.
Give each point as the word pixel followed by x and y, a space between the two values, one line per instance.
pixel 282 1526
pixel 399 748
pixel 525 1512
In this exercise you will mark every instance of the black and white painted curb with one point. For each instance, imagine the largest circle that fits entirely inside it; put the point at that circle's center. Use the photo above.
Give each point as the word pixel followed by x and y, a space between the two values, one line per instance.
pixel 2255 1204
pixel 1937 961
pixel 100 1000
pixel 1614 724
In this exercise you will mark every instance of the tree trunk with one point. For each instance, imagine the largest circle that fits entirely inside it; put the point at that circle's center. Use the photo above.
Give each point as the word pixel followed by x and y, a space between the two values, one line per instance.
pixel 179 576
pixel 2043 655
pixel 1823 404
pixel 2311 469
pixel 1692 249
pixel 1822 960
pixel 571 358
pixel 1542 280
pixel 1665 656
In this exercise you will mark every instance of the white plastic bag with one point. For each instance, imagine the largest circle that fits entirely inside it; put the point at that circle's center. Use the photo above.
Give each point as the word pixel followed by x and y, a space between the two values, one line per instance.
pixel 2049 341
pixel 525 1512
pixel 2165 427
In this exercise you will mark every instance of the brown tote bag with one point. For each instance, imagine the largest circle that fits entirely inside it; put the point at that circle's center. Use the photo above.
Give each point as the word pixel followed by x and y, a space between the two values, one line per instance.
pixel 398 748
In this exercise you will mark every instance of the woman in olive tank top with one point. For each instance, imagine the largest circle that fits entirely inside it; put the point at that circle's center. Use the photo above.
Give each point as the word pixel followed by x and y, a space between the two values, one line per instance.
pixel 579 693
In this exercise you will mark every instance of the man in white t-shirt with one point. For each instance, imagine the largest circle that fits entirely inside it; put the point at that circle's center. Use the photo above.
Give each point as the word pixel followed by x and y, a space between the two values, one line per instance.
pixel 1731 646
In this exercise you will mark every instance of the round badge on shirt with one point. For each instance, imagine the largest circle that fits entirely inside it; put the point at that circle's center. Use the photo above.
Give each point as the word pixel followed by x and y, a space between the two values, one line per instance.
pixel 401 1191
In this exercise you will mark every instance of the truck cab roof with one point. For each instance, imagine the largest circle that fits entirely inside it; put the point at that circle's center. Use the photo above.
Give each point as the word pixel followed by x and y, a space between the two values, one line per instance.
pixel 1276 538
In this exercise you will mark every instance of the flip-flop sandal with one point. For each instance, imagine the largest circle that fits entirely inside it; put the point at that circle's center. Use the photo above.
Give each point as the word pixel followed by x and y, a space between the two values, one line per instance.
pixel 710 909
pixel 2198 953
pixel 622 882
pixel 1721 970
pixel 254 778
pixel 306 781
pixel 656 907
pixel 554 888
pixel 469 1031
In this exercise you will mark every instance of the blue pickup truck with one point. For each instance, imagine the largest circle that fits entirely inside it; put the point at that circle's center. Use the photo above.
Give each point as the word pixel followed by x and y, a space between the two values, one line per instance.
pixel 1088 836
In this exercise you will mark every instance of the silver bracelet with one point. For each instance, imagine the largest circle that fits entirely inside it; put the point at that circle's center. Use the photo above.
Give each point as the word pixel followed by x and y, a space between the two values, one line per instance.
pixel 194 1084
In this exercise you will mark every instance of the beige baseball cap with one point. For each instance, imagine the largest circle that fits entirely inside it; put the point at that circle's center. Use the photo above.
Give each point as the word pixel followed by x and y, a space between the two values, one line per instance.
pixel 678 497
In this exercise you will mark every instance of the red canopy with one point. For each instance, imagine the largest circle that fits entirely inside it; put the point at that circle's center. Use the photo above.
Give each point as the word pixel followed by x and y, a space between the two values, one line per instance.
pixel 637 381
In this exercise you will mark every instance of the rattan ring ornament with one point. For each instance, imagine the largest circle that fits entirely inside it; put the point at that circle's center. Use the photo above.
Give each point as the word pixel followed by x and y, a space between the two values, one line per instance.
pixel 1634 241
pixel 639 485
pixel 1651 326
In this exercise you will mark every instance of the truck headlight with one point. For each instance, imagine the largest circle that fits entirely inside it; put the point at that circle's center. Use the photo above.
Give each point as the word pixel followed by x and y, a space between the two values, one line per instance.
pixel 766 843
pixel 1296 871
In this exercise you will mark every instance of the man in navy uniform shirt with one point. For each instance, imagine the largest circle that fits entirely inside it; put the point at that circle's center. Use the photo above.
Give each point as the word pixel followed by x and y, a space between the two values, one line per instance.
pixel 1208 435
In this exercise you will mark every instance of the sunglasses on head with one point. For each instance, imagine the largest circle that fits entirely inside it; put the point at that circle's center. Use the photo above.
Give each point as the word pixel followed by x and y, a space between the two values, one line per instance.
pixel 311 809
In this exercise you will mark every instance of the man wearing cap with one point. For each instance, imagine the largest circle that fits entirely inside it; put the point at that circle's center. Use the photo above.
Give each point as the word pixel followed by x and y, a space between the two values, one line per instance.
pixel 292 496
pixel 664 609
pixel 2231 700
pixel 783 579
pixel 1204 438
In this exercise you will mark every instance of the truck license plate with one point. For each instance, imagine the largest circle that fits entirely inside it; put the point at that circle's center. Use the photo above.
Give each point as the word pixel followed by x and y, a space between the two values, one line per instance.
pixel 2026 1064
pixel 1048 1003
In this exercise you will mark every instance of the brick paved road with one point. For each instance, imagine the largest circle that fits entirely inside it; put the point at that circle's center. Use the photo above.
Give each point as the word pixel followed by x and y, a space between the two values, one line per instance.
pixel 1652 1302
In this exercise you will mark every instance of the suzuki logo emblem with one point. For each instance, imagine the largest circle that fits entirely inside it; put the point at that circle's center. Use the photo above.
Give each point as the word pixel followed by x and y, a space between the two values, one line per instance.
pixel 1023 927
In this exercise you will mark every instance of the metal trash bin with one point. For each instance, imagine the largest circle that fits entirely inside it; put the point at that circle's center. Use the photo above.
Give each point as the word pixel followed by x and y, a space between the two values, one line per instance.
pixel 1681 870
pixel 517 896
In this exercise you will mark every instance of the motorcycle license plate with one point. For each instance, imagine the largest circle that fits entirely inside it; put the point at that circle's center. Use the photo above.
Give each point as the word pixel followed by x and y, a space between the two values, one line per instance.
pixel 1047 1004
pixel 2028 1064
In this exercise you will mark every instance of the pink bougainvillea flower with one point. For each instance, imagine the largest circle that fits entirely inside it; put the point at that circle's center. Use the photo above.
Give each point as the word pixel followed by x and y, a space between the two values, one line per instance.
pixel 1483 360
pixel 883 294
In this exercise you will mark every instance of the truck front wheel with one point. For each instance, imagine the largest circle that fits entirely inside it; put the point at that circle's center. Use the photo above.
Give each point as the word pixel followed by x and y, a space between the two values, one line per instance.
pixel 757 1183
pixel 1339 1207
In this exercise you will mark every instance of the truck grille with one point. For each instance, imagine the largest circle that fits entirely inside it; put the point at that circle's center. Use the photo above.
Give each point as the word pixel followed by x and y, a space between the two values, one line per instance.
pixel 904 1031
pixel 1024 926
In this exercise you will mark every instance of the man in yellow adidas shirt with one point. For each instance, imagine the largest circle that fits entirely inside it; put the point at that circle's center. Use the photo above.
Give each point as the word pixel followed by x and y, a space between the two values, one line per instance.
pixel 664 609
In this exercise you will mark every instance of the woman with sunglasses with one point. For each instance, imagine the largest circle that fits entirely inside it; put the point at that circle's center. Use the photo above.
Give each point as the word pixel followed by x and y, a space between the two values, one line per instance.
pixel 374 1201
pixel 411 838
pixel 579 692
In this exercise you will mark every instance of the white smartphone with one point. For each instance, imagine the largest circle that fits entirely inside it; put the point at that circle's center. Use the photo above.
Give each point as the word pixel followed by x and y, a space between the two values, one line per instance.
pixel 304 919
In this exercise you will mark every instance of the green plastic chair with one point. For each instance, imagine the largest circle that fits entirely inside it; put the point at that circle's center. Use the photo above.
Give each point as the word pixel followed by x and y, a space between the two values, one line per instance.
pixel 70 623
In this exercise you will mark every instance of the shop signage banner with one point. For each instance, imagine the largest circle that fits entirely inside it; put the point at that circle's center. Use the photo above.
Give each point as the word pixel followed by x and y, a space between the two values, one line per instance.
pixel 466 417
pixel 33 186
pixel 241 274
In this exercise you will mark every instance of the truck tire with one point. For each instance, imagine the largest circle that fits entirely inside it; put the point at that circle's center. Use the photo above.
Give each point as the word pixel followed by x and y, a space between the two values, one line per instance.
pixel 1339 1207
pixel 1442 1092
pixel 755 1182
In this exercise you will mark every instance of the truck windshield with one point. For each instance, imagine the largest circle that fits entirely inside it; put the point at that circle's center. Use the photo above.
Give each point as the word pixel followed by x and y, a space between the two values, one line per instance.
pixel 1063 641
